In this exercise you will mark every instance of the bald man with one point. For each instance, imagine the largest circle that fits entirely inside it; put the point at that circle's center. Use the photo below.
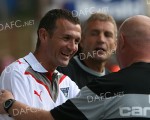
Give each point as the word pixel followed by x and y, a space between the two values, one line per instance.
pixel 120 95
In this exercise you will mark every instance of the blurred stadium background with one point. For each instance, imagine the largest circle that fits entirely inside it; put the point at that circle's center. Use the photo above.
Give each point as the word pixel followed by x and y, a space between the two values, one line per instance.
pixel 19 20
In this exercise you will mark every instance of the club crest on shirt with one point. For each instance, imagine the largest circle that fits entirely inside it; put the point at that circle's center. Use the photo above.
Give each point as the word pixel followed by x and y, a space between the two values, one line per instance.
pixel 65 91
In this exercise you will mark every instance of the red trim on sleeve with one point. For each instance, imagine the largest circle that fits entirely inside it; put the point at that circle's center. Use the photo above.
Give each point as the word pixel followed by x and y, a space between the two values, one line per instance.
pixel 19 61
pixel 38 81
pixel 62 78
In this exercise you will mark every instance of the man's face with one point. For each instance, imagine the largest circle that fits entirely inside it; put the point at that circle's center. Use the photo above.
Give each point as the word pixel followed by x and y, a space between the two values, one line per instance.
pixel 63 43
pixel 99 40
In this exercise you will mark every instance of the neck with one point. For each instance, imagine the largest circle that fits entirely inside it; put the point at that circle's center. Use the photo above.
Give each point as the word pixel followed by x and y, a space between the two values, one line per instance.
pixel 134 60
pixel 44 61
pixel 94 65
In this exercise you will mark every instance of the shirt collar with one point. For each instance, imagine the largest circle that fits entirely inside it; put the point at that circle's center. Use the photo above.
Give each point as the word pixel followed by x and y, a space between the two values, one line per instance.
pixel 33 62
pixel 87 69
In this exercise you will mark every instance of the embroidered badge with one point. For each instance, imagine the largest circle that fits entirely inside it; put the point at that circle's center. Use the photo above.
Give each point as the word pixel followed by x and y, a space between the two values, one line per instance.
pixel 65 91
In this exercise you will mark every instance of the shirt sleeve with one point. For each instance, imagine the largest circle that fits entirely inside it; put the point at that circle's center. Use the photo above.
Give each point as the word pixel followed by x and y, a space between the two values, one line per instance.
pixel 85 106
pixel 67 111
pixel 74 89
pixel 13 80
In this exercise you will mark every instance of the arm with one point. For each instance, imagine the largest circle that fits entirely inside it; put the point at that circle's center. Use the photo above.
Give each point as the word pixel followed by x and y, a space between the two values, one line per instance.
pixel 86 105
pixel 13 79
pixel 26 112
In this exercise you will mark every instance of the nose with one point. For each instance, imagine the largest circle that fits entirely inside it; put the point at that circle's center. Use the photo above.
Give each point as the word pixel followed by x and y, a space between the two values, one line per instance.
pixel 73 46
pixel 101 38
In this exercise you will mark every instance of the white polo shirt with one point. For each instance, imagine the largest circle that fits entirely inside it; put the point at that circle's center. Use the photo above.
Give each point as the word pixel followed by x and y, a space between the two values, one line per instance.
pixel 26 79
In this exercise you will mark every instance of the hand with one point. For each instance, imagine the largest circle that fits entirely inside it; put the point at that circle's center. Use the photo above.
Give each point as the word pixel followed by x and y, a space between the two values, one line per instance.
pixel 4 95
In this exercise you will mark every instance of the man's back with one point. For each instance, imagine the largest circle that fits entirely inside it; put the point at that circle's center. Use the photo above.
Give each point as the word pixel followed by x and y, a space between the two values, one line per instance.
pixel 120 95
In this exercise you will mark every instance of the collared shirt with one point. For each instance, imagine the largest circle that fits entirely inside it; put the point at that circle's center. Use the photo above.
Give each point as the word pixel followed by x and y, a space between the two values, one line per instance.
pixel 26 79
pixel 80 73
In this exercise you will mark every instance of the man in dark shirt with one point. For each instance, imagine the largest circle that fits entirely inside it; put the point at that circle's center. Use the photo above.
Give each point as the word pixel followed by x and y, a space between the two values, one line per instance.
pixel 97 44
pixel 124 95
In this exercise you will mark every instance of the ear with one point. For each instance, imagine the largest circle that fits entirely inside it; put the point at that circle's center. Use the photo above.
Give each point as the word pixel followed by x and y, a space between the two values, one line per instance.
pixel 114 47
pixel 81 42
pixel 43 35
pixel 121 41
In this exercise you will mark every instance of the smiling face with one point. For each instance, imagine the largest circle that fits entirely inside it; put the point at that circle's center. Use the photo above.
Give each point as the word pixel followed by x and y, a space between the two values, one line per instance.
pixel 99 40
pixel 63 43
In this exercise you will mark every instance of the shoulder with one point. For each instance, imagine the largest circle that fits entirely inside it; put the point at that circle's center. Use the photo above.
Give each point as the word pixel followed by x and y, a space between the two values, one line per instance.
pixel 107 83
pixel 116 81
pixel 19 65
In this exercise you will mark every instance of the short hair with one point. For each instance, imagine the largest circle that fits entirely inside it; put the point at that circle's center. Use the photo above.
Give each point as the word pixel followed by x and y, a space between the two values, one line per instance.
pixel 97 16
pixel 101 17
pixel 48 22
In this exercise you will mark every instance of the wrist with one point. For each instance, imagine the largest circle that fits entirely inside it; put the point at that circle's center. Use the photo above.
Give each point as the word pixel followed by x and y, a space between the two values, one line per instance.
pixel 8 104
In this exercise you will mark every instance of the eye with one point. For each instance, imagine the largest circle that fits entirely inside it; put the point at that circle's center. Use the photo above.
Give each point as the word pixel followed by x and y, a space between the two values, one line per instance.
pixel 108 34
pixel 77 41
pixel 66 38
pixel 94 33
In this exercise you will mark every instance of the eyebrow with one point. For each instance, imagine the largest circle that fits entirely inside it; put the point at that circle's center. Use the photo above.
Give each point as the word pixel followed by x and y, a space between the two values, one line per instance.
pixel 97 30
pixel 71 36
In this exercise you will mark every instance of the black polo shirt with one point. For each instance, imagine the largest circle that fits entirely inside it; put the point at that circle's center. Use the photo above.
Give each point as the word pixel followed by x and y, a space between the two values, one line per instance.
pixel 80 73
pixel 116 96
